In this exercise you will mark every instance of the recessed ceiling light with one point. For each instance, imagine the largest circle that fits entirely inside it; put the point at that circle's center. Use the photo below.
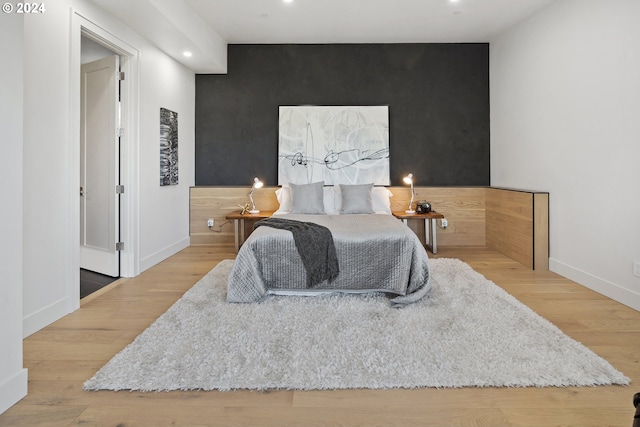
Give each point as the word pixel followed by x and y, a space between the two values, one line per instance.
pixel 187 54
pixel 288 1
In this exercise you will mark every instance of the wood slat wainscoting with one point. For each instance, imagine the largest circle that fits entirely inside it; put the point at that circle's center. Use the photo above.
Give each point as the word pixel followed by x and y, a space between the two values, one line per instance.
pixel 517 224
pixel 464 208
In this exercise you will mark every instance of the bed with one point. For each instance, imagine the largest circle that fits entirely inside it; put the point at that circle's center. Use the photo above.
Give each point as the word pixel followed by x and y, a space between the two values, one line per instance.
pixel 375 251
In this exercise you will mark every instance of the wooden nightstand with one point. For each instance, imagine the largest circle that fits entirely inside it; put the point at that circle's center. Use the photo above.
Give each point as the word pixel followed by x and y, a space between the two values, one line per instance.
pixel 430 226
pixel 238 223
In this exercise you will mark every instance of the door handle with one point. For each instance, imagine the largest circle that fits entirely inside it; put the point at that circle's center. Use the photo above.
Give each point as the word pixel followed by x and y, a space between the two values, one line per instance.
pixel 81 191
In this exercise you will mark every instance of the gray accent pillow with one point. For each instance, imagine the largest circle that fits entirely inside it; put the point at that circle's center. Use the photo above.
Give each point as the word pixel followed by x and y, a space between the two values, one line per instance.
pixel 356 199
pixel 307 198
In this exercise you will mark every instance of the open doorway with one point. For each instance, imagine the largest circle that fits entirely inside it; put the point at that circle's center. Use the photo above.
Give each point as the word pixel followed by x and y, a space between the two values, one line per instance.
pixel 100 124
pixel 129 56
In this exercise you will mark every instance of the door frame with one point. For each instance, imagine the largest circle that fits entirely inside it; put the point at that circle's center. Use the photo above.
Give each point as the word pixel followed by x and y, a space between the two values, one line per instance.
pixel 99 195
pixel 129 163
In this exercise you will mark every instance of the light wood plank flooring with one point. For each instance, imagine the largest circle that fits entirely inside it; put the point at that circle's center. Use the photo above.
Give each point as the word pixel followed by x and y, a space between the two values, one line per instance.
pixel 62 356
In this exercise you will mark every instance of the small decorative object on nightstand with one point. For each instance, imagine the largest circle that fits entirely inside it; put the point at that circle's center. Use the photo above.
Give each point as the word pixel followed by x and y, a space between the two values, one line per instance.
pixel 409 180
pixel 244 208
pixel 256 184
pixel 423 207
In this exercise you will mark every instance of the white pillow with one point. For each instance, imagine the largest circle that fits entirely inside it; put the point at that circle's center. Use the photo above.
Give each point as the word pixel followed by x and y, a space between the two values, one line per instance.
pixel 332 198
pixel 283 195
pixel 380 200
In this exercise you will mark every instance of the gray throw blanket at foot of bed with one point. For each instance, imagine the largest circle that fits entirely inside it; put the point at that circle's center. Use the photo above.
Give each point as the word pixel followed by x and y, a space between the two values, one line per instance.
pixel 314 244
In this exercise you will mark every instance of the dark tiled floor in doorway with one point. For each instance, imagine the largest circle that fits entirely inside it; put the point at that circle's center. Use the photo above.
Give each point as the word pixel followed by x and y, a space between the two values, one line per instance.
pixel 91 282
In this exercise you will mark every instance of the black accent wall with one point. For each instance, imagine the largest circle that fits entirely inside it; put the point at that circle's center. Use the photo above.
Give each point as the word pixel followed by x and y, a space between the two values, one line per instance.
pixel 438 98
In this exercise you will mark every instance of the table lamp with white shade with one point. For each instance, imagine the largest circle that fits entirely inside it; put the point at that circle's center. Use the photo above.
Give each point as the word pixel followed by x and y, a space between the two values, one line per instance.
pixel 256 184
pixel 409 180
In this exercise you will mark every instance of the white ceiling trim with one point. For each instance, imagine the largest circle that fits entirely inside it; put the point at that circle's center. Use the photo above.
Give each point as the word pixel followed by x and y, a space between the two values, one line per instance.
pixel 174 28
pixel 204 27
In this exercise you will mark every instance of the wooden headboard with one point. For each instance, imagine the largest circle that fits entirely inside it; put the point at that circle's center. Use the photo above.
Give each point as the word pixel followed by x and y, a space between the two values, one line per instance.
pixel 462 206
pixel 514 222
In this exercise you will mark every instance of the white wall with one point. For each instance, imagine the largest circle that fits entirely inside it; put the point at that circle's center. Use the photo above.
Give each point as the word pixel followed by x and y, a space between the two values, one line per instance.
pixel 13 378
pixel 565 118
pixel 165 209
pixel 51 163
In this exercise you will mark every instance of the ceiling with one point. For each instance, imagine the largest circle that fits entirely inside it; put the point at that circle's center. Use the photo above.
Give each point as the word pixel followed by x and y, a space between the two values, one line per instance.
pixel 205 27
pixel 362 21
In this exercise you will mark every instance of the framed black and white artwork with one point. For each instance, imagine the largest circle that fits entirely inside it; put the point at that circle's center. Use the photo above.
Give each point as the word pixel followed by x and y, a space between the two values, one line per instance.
pixel 168 147
pixel 334 144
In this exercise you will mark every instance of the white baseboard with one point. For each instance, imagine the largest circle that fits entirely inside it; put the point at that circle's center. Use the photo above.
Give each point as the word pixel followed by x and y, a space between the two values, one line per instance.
pixel 13 389
pixel 41 318
pixel 602 286
pixel 163 254
pixel 44 317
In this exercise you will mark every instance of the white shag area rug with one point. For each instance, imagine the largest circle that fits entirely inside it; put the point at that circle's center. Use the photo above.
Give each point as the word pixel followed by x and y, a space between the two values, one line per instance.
pixel 467 332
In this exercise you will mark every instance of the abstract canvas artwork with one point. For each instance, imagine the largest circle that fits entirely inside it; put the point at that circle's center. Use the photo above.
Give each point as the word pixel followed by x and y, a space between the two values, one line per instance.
pixel 334 144
pixel 168 147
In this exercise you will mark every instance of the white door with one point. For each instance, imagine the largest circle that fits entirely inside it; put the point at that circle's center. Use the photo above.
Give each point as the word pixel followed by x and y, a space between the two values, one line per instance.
pixel 99 167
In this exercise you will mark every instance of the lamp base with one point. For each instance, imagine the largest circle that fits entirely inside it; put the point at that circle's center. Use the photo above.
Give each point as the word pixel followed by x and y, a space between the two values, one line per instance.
pixel 410 211
pixel 253 211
